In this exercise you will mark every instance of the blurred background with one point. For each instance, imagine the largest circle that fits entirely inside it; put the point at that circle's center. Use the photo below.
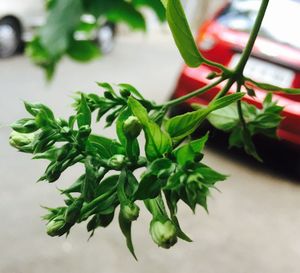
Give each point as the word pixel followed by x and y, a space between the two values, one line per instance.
pixel 254 221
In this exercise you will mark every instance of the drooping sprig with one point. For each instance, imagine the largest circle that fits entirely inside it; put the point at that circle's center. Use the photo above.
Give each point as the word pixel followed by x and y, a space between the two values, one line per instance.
pixel 170 161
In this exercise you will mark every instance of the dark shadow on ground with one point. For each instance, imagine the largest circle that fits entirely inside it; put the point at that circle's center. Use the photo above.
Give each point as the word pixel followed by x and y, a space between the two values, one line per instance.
pixel 279 158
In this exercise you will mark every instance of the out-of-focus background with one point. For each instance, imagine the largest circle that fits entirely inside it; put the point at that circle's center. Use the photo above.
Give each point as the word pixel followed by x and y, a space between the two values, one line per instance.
pixel 254 221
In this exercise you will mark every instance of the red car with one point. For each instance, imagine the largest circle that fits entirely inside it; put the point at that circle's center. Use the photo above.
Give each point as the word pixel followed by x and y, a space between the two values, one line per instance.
pixel 275 58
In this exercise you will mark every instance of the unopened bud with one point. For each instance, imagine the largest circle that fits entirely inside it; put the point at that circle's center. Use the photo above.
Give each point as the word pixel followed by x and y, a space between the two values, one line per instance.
pixel 19 140
pixel 56 227
pixel 212 75
pixel 130 211
pixel 163 232
pixel 117 161
pixel 124 93
pixel 132 127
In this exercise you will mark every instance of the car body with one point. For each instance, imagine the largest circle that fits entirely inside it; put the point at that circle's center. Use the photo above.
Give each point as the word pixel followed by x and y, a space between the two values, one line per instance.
pixel 19 19
pixel 275 58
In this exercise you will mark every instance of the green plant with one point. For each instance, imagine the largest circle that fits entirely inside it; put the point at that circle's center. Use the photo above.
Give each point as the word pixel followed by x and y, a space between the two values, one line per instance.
pixel 171 162
pixel 58 36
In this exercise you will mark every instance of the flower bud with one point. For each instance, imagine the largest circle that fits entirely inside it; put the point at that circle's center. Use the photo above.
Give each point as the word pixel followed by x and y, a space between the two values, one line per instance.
pixel 132 127
pixel 56 227
pixel 212 75
pixel 130 211
pixel 124 93
pixel 19 140
pixel 117 161
pixel 163 232
pixel 108 95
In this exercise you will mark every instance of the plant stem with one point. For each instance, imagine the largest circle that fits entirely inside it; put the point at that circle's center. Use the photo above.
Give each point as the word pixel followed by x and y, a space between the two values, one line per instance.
pixel 194 93
pixel 237 74
pixel 254 32
pixel 225 89
pixel 240 110
pixel 238 71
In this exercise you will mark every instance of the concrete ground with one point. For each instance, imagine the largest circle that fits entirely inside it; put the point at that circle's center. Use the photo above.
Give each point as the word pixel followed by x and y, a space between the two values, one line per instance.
pixel 253 225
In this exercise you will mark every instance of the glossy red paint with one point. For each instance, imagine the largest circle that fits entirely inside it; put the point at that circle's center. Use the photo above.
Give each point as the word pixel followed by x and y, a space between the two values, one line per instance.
pixel 221 45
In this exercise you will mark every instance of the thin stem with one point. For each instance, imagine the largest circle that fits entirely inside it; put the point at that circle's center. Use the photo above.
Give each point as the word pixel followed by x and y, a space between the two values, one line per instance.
pixel 238 71
pixel 217 65
pixel 240 110
pixel 194 93
pixel 225 89
pixel 254 32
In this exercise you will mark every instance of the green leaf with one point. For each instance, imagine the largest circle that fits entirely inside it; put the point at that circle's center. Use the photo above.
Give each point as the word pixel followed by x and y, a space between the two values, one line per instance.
pixel 182 34
pixel 180 232
pixel 149 187
pixel 125 114
pixel 210 176
pixel 225 101
pixel 41 57
pixel 125 226
pixel 274 88
pixel 83 51
pixel 56 33
pixel 188 151
pixel 100 220
pixel 131 89
pixel 117 11
pixel 35 108
pixel 76 186
pixel 224 119
pixel 84 116
pixel 90 180
pixel 183 125
pixel 175 181
pixel 108 184
pixel 25 126
pixel 103 204
pixel 249 145
pixel 121 188
pixel 104 147
pixel 44 120
pixel 158 142
pixel 162 168
pixel 156 5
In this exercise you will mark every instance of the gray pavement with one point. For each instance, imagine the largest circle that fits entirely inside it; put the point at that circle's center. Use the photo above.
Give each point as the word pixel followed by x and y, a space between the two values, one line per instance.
pixel 253 225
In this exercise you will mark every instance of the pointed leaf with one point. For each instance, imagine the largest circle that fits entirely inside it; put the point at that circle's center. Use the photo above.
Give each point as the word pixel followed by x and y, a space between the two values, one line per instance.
pixel 125 226
pixel 158 142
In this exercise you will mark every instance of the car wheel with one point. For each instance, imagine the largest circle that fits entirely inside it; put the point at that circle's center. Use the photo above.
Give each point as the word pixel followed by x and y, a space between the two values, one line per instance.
pixel 10 37
pixel 106 37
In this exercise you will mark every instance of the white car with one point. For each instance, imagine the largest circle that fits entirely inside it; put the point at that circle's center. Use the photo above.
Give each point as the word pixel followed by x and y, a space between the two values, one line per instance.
pixel 18 19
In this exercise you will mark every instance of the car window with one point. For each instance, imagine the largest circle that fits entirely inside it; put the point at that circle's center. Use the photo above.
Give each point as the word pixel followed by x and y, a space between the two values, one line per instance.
pixel 281 23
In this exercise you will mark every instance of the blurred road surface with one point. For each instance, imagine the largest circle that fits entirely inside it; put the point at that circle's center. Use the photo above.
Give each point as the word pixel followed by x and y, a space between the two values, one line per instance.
pixel 253 226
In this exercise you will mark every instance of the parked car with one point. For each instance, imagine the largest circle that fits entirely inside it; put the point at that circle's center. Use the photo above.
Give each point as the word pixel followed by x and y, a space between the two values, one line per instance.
pixel 275 58
pixel 18 19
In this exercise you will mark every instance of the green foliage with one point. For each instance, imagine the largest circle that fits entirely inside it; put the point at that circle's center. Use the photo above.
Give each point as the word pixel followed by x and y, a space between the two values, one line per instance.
pixel 170 163
pixel 58 36
pixel 109 180
pixel 258 121
pixel 182 34
pixel 183 125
